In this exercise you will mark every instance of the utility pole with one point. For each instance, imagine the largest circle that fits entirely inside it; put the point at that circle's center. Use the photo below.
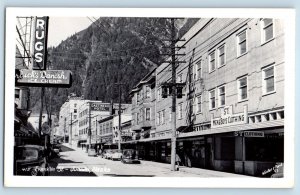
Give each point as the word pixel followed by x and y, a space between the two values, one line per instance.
pixel 65 130
pixel 173 139
pixel 41 111
pixel 119 114
pixel 70 141
pixel 175 90
pixel 90 130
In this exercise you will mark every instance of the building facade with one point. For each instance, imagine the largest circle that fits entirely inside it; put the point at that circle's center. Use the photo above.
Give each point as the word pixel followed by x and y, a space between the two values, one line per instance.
pixel 96 111
pixel 68 118
pixel 231 117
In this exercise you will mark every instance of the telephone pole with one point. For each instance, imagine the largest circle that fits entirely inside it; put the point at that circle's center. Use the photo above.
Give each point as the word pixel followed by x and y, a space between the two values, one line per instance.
pixel 71 130
pixel 119 114
pixel 175 89
pixel 89 130
pixel 173 139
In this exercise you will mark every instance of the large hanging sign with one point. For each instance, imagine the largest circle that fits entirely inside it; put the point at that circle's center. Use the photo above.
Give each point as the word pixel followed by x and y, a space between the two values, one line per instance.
pixel 40 43
pixel 45 78
pixel 229 118
pixel 98 106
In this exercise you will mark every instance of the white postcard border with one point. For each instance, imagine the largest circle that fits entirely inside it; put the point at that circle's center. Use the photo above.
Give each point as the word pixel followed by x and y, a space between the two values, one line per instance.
pixel 289 135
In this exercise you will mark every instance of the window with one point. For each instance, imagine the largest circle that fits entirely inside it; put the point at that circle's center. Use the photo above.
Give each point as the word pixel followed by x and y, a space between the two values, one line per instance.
pixel 148 94
pixel 192 105
pixel 242 89
pixel 222 96
pixel 180 111
pixel 158 94
pixel 75 105
pixel 199 102
pixel 212 61
pixel 268 80
pixel 158 118
pixel 212 99
pixel 137 118
pixel 191 71
pixel 179 78
pixel 138 96
pixel 75 110
pixel 17 93
pixel 242 43
pixel 162 116
pixel 267 29
pixel 221 56
pixel 147 114
pixel 199 69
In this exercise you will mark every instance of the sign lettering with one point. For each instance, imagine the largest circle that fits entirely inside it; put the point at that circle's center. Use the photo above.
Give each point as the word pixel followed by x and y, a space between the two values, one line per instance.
pixel 46 78
pixel 40 43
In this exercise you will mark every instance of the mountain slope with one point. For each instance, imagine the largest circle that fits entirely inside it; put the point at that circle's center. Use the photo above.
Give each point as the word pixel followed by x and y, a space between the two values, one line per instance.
pixel 111 50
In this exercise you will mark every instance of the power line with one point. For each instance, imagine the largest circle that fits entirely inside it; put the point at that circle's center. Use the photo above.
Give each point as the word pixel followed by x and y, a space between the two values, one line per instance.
pixel 107 52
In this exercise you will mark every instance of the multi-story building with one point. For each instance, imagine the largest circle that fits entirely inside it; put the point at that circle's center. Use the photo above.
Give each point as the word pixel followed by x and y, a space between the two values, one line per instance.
pixel 124 118
pixel 68 115
pixel 231 117
pixel 96 110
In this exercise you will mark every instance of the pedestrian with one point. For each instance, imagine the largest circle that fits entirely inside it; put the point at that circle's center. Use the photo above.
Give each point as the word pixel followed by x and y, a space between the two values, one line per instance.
pixel 177 162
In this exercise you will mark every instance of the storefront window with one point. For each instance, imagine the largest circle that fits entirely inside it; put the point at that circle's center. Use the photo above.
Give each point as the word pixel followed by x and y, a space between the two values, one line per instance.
pixel 268 148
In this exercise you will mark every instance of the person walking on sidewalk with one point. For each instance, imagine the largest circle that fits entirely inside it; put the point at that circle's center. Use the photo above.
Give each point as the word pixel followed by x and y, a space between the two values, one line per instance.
pixel 177 162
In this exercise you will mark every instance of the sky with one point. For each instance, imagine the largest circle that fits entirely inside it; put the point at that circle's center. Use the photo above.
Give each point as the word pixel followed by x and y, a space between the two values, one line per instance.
pixel 60 28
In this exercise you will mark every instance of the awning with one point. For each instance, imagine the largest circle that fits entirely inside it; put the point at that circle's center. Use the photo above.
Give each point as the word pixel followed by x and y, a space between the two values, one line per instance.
pixel 242 127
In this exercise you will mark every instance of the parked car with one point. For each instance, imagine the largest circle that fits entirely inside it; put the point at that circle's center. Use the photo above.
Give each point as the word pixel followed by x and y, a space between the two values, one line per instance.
pixel 116 155
pixel 31 160
pixel 107 154
pixel 130 156
pixel 92 152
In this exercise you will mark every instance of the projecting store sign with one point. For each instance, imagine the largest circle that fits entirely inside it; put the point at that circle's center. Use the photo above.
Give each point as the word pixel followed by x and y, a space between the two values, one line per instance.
pixel 46 78
pixel 228 118
pixel 40 43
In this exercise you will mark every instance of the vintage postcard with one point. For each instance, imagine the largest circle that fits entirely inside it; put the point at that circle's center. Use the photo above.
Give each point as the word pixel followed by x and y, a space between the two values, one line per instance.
pixel 149 97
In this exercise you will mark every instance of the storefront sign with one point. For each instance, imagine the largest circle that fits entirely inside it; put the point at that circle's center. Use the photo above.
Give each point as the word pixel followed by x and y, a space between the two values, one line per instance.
pixel 249 134
pixel 228 118
pixel 98 106
pixel 46 78
pixel 40 43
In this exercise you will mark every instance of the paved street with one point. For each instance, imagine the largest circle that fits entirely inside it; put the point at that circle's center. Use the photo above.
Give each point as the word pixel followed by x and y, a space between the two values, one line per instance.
pixel 75 162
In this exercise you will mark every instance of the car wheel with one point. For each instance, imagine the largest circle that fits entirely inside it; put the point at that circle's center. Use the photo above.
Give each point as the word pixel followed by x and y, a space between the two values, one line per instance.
pixel 34 172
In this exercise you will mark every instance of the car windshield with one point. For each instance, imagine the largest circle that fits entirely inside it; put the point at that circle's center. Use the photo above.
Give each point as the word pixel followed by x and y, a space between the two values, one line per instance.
pixel 28 154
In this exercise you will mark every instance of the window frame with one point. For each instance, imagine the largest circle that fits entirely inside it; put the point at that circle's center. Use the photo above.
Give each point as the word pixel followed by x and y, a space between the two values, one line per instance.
pixel 210 99
pixel 264 89
pixel 263 27
pixel 199 103
pixel 209 61
pixel 146 118
pixel 224 54
pixel 238 42
pixel 199 73
pixel 239 87
pixel 180 111
pixel 219 96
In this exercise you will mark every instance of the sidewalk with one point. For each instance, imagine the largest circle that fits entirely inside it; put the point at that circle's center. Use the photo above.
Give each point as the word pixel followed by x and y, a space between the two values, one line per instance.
pixel 183 169
pixel 198 171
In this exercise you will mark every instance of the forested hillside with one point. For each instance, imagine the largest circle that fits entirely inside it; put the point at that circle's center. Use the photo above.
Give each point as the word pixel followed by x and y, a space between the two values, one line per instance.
pixel 111 50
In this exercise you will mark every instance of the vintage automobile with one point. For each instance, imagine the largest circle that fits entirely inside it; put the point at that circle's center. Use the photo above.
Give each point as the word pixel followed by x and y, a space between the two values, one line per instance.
pixel 92 152
pixel 130 156
pixel 31 160
pixel 116 155
pixel 107 154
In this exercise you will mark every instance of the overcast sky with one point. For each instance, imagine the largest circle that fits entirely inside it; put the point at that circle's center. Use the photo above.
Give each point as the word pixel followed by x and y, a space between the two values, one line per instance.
pixel 60 28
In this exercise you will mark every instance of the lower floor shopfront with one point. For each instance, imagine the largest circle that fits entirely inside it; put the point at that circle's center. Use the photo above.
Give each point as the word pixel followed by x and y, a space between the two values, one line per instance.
pixel 249 152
